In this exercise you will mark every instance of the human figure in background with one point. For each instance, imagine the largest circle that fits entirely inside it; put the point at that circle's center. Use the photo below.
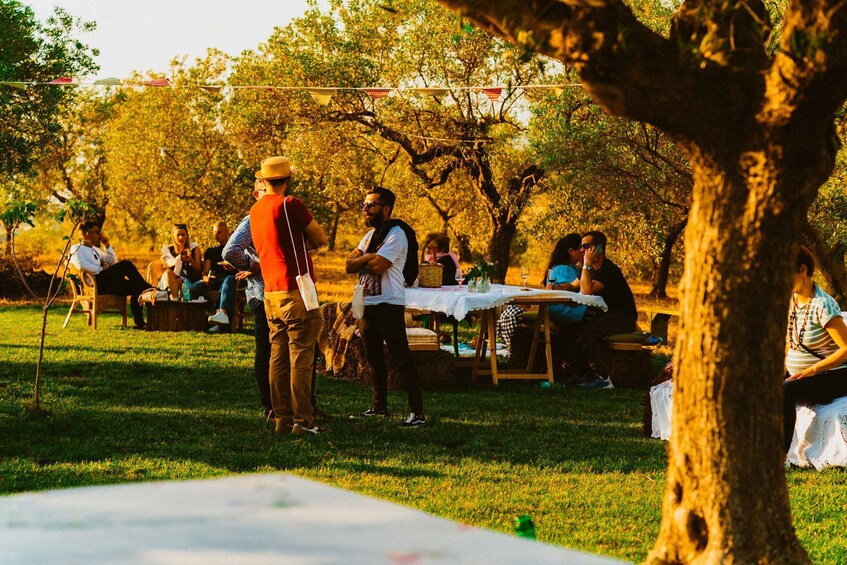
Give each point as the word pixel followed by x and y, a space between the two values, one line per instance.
pixel 120 278
pixel 380 259
pixel 217 277
pixel 283 230
pixel 564 268
pixel 601 277
pixel 436 250
pixel 816 347
pixel 182 261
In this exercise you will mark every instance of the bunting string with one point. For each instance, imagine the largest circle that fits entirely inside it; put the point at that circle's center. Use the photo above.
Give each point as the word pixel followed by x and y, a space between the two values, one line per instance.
pixel 322 96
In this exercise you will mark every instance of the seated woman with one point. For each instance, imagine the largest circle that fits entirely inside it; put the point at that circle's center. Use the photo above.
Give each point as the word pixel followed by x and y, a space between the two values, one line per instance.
pixel 436 249
pixel 182 261
pixel 563 266
pixel 816 352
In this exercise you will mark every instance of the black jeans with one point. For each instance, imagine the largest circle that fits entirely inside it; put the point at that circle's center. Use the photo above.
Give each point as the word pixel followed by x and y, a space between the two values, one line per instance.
pixel 593 333
pixel 262 360
pixel 123 279
pixel 817 389
pixel 385 323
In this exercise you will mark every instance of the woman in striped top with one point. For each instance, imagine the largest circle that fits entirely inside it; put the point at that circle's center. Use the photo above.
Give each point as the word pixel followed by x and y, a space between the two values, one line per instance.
pixel 816 346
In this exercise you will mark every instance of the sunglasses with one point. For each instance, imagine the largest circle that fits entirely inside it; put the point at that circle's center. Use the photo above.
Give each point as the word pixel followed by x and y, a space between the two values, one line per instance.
pixel 586 246
pixel 369 205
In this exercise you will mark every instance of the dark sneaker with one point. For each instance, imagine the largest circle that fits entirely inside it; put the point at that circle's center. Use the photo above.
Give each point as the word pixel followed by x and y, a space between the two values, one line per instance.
pixel 139 325
pixel 303 429
pixel 370 412
pixel 413 421
pixel 596 384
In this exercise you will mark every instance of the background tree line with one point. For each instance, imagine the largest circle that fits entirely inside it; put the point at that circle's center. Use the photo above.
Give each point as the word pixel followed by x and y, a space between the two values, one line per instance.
pixel 502 178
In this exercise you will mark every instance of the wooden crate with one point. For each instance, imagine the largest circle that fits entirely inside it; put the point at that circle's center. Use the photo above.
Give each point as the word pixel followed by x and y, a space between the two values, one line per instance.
pixel 170 316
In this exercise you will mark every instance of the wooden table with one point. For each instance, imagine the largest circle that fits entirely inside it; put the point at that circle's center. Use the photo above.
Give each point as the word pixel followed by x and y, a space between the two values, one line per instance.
pixel 172 316
pixel 458 303
pixel 487 333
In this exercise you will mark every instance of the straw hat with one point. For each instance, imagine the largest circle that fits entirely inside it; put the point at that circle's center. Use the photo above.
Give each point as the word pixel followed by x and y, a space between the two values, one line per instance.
pixel 275 168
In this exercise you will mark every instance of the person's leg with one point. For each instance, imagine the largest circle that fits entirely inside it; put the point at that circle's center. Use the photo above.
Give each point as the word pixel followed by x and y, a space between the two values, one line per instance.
pixel 227 302
pixel 174 284
pixel 261 362
pixel 817 389
pixel 279 374
pixel 394 328
pixel 303 330
pixel 370 327
pixel 123 279
pixel 198 288
pixel 593 342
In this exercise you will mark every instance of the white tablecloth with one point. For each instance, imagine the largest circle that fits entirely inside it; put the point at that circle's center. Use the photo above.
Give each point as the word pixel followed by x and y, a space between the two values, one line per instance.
pixel 453 302
pixel 249 520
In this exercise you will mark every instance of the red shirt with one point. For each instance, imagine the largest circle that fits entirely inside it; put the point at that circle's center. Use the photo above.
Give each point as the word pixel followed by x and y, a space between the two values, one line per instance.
pixel 269 229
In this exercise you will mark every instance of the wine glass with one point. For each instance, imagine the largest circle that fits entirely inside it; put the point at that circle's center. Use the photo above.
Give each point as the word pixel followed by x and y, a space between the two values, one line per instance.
pixel 460 276
pixel 524 277
pixel 550 277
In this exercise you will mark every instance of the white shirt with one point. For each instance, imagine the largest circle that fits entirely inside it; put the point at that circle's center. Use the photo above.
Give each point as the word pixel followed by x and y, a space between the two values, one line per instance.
pixel 91 259
pixel 390 288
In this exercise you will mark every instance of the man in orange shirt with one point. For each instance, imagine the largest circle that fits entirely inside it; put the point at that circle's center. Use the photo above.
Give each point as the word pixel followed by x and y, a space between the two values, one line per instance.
pixel 283 230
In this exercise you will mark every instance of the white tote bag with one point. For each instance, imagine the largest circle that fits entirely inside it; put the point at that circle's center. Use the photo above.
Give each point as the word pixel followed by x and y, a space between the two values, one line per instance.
pixel 304 281
pixel 358 302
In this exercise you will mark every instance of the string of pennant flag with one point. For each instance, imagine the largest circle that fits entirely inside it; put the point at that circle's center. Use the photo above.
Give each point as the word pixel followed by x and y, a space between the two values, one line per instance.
pixel 321 95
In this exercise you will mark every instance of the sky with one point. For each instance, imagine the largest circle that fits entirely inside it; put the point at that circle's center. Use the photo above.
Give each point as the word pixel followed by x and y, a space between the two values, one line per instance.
pixel 144 35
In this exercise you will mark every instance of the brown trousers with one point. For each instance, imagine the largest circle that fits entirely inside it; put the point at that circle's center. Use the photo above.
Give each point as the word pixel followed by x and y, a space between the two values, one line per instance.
pixel 293 334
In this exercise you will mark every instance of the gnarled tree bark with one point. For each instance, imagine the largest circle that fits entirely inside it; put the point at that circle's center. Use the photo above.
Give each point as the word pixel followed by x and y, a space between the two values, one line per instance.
pixel 760 138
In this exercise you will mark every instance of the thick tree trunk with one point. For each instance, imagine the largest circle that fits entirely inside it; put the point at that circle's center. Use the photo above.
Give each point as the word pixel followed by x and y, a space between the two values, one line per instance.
pixel 726 499
pixel 660 285
pixel 333 230
pixel 463 247
pixel 500 246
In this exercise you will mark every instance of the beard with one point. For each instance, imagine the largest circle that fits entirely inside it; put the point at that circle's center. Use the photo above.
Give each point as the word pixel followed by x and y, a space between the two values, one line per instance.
pixel 372 221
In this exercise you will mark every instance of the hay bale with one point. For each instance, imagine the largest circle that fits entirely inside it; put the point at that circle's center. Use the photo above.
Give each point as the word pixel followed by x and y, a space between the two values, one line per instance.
pixel 344 356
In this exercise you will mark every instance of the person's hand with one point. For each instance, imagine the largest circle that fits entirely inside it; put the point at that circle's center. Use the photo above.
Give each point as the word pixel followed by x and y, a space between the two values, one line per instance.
pixel 805 373
pixel 590 255
pixel 243 275
pixel 104 240
pixel 549 286
pixel 207 278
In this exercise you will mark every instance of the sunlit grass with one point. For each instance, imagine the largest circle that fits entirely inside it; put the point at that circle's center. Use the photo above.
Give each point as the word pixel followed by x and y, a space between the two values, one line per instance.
pixel 123 406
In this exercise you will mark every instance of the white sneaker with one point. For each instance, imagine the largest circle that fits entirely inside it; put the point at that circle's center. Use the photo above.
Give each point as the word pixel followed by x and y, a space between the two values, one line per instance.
pixel 219 317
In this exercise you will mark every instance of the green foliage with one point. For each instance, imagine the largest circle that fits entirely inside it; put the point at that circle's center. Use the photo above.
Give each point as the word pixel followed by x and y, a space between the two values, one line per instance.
pixel 32 51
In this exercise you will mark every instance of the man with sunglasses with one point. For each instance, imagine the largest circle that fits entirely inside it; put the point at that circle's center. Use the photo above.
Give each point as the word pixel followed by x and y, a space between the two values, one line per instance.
pixel 380 260
pixel 601 277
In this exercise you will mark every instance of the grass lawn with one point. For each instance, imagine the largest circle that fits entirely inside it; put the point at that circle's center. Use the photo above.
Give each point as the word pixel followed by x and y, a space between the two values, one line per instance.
pixel 123 405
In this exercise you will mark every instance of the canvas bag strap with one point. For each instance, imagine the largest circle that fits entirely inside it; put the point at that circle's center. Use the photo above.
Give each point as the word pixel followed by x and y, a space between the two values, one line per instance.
pixel 294 245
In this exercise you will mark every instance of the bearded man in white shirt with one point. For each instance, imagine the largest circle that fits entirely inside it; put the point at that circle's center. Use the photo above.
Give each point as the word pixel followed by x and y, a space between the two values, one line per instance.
pixel 113 277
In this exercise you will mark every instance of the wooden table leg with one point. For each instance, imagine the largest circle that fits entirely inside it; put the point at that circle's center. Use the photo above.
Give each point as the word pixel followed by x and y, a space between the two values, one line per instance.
pixel 479 345
pixel 547 346
pixel 492 345
pixel 533 348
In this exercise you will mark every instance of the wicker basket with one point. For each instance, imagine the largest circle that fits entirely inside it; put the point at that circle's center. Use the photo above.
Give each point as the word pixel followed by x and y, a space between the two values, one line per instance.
pixel 429 276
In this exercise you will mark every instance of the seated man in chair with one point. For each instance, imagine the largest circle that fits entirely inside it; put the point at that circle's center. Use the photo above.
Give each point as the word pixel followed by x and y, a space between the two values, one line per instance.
pixel 113 277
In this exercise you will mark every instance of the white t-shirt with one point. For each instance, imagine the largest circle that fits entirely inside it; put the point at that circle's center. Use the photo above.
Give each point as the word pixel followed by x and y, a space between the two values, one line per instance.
pixel 390 288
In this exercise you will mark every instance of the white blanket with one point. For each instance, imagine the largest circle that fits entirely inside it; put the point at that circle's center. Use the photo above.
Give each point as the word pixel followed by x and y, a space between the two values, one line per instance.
pixel 820 434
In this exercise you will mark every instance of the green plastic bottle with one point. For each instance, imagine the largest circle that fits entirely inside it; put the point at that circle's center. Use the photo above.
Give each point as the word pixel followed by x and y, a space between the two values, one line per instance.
pixel 524 527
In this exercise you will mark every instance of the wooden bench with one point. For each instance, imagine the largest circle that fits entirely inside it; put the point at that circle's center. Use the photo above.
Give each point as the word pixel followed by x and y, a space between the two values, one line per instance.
pixel 658 319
